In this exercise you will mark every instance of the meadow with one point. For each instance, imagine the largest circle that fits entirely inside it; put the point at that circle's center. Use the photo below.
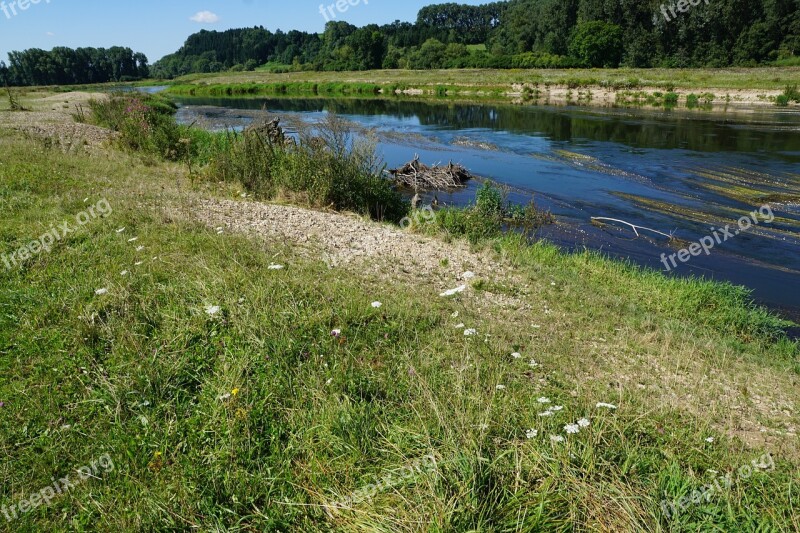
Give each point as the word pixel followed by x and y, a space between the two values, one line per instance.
pixel 240 382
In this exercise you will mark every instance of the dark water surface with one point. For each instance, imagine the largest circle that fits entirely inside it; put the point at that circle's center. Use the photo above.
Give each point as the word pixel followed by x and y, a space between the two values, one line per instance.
pixel 677 171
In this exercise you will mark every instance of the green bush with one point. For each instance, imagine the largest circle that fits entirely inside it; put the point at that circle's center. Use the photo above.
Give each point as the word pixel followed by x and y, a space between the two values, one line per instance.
pixel 488 216
pixel 790 94
pixel 324 167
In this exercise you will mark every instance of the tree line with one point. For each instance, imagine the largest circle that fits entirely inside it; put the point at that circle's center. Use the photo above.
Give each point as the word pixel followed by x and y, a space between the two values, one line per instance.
pixel 65 66
pixel 517 34
pixel 510 34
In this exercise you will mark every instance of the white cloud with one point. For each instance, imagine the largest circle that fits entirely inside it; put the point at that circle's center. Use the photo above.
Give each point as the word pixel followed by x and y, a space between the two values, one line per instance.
pixel 205 17
pixel 50 34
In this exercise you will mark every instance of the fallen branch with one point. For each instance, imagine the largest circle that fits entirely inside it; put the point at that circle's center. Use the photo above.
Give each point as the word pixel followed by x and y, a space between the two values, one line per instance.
pixel 633 226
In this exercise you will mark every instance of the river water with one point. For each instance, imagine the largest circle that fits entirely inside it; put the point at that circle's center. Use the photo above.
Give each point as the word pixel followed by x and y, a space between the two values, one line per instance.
pixel 682 172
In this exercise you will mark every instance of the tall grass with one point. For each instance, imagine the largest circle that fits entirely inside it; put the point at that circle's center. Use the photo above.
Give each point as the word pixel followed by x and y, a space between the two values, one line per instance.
pixel 323 166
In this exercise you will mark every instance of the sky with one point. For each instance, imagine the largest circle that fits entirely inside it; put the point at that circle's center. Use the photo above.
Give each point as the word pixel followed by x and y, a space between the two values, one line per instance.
pixel 159 27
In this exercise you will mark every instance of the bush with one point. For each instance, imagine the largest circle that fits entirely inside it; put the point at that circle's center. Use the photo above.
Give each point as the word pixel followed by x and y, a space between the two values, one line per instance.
pixel 145 123
pixel 490 213
pixel 791 94
pixel 324 167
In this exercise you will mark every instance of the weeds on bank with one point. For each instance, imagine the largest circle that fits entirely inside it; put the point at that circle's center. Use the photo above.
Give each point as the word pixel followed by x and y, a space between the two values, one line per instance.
pixel 322 166
pixel 790 94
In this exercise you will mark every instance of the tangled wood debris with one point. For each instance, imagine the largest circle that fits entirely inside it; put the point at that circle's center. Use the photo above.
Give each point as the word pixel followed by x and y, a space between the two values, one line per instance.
pixel 417 175
pixel 269 129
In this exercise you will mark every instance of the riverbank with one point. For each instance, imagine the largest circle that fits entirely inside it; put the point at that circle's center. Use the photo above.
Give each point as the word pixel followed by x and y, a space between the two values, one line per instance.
pixel 592 87
pixel 247 364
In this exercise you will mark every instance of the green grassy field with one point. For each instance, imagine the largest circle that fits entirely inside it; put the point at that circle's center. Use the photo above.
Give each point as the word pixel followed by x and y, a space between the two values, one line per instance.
pixel 769 78
pixel 215 387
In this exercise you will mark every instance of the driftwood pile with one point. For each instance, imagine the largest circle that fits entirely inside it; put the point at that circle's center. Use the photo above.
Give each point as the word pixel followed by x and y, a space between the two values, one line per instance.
pixel 416 175
pixel 271 130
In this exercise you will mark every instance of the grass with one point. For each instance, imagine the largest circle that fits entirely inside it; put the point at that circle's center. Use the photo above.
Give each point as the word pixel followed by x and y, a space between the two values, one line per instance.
pixel 768 78
pixel 257 417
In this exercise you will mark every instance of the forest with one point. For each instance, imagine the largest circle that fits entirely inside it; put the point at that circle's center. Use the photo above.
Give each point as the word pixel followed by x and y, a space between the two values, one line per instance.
pixel 511 34
pixel 65 66
pixel 515 34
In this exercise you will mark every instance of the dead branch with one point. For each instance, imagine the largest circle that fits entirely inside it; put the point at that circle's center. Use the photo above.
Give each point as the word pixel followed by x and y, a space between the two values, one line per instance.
pixel 633 226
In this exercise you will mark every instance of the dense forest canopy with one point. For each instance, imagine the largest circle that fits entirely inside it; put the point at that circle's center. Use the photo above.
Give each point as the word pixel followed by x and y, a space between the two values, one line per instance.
pixel 510 34
pixel 518 34
pixel 65 66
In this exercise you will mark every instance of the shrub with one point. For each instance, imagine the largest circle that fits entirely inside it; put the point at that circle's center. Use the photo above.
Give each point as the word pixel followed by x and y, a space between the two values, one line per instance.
pixel 490 213
pixel 324 166
pixel 792 94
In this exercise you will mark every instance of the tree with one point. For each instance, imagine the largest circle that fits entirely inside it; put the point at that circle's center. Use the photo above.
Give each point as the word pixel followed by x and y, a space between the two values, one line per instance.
pixel 597 44
pixel 431 55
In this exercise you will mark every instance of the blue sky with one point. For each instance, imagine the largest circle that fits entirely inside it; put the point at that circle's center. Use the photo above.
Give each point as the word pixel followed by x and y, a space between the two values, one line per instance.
pixel 159 27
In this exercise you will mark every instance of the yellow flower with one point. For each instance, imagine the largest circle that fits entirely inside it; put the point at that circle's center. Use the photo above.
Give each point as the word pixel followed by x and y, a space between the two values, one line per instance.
pixel 234 392
pixel 157 455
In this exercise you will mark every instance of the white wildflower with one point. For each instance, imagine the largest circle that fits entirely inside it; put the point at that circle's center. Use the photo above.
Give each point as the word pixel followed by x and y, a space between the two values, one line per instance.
pixel 516 355
pixel 460 326
pixel 377 305
pixel 556 438
pixel 100 292
pixel 710 439
pixel 533 363
pixel 139 248
pixel 557 408
pixel 531 433
pixel 572 429
pixel 212 310
pixel 275 267
pixel 470 332
pixel 134 239
pixel 543 400
pixel 584 423
pixel 546 413
pixel 501 387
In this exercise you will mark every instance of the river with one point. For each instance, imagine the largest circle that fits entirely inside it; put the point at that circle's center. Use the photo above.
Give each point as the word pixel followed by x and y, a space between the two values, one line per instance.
pixel 685 172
